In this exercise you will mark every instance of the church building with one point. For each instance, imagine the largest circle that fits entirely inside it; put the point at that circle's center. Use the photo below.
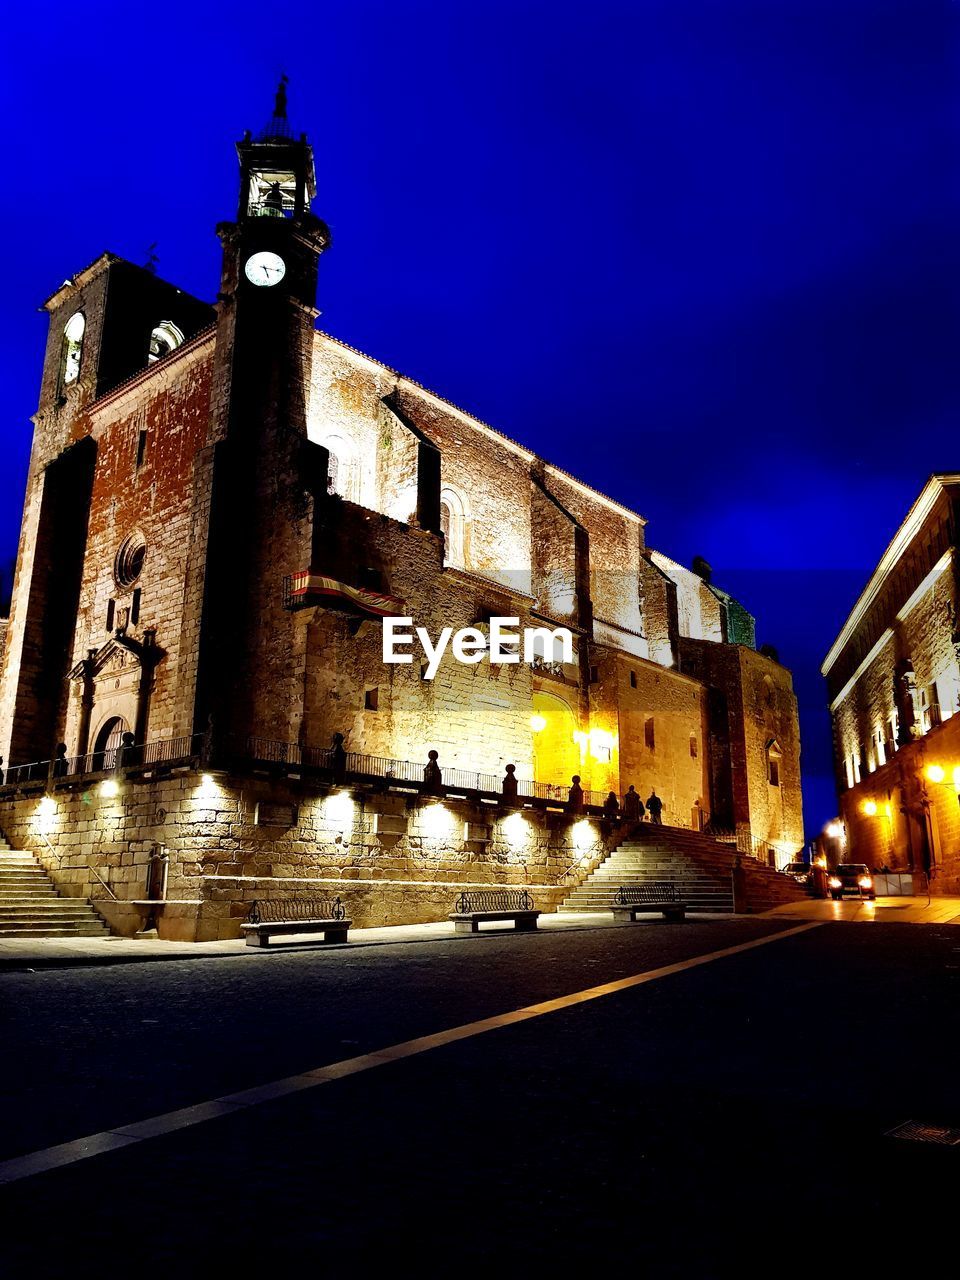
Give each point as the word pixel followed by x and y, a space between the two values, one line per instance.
pixel 223 505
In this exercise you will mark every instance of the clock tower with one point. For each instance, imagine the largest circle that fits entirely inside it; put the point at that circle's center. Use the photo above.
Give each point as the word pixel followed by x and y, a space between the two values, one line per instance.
pixel 266 476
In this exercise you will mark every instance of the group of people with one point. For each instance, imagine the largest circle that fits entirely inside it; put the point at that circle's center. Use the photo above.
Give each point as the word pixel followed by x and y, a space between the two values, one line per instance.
pixel 633 809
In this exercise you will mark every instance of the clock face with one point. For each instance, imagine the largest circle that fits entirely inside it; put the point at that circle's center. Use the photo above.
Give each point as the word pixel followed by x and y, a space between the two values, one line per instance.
pixel 265 269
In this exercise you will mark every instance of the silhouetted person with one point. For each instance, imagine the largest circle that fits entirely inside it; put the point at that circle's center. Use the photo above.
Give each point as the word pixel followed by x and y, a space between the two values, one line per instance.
pixel 611 807
pixel 575 796
pixel 655 808
pixel 432 776
pixel 508 787
pixel 338 758
pixel 632 805
pixel 60 763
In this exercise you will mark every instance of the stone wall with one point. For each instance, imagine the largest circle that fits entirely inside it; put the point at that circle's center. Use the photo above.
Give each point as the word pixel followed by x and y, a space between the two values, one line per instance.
pixel 392 859
pixel 147 447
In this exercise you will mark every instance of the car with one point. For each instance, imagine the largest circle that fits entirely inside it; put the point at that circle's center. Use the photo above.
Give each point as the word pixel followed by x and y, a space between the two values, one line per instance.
pixel 802 872
pixel 851 877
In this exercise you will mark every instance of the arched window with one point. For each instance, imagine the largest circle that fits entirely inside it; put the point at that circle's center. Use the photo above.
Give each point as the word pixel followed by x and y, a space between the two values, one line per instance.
pixel 165 338
pixel 774 756
pixel 73 347
pixel 454 524
pixel 333 472
pixel 343 473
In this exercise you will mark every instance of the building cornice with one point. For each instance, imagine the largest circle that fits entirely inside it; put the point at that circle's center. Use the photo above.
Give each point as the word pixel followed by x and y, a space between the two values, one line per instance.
pixel 899 543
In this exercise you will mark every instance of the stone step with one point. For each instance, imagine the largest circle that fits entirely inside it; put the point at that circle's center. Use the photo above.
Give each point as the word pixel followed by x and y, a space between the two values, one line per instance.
pixel 54 931
pixel 33 910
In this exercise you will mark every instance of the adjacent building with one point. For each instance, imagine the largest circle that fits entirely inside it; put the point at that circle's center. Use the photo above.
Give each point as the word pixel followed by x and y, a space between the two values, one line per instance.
pixel 893 676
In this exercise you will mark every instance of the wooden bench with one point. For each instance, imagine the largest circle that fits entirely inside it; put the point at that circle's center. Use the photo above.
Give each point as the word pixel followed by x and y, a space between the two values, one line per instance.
pixel 655 895
pixel 272 918
pixel 477 905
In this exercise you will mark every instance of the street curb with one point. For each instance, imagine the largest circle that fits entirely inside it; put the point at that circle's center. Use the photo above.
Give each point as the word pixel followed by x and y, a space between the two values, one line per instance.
pixel 304 948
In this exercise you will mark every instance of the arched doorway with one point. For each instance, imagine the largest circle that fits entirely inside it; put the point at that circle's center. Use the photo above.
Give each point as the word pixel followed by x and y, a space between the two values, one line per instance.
pixel 556 757
pixel 107 743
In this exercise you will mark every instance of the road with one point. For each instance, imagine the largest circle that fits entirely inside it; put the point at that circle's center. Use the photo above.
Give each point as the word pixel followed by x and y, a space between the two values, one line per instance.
pixel 724 1118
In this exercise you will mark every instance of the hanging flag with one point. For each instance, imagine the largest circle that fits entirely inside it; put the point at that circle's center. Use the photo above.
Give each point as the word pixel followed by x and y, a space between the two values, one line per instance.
pixel 315 588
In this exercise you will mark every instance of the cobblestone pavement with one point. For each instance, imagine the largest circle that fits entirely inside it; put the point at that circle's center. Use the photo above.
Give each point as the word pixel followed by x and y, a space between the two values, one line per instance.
pixel 689 1127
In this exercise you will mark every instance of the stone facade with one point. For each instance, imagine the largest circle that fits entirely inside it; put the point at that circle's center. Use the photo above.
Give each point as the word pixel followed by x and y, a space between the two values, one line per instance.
pixel 193 463
pixel 894 684
pixel 232 840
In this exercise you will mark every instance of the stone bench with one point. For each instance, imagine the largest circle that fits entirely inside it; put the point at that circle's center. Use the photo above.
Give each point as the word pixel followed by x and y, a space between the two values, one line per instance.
pixel 655 895
pixel 326 916
pixel 478 905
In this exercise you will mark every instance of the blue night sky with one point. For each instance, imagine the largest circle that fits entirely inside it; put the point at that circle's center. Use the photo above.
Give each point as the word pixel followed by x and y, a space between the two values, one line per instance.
pixel 701 253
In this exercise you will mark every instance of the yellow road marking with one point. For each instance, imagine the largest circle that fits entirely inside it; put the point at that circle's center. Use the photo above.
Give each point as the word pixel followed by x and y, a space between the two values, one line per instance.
pixel 68 1153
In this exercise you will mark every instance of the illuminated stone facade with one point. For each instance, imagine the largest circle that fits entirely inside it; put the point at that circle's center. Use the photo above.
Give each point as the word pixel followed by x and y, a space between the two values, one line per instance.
pixel 894 687
pixel 190 461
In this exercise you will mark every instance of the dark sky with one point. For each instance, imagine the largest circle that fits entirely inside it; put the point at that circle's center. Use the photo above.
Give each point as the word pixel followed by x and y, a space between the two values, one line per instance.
pixel 702 253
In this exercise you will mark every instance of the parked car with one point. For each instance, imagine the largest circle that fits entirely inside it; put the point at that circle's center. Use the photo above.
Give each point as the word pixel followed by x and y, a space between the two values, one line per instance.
pixel 802 872
pixel 852 877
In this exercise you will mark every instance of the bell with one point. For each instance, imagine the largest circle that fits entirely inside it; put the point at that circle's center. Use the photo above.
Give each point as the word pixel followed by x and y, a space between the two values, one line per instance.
pixel 273 201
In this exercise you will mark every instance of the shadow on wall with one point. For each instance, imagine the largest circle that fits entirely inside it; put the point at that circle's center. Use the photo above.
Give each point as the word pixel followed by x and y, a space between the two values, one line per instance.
pixel 6 586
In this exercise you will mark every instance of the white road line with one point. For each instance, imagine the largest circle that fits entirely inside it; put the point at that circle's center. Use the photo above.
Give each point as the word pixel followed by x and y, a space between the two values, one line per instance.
pixel 95 1144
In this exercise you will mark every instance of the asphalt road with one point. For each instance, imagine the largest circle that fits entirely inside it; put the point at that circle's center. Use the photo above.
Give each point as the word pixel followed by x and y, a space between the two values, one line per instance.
pixel 730 1118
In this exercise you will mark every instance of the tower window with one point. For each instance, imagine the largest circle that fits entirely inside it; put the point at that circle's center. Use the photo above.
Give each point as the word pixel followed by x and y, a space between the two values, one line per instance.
pixel 73 347
pixel 272 195
pixel 649 734
pixel 774 756
pixel 371 700
pixel 694 747
pixel 633 679
pixel 141 447
pixel 111 613
pixel 165 338
pixel 135 607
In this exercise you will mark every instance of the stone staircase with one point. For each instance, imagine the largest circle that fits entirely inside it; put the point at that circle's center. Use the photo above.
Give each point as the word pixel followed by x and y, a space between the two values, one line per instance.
pixel 699 866
pixel 31 905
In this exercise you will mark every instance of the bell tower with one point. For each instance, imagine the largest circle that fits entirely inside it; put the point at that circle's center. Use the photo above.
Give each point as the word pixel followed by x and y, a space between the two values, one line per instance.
pixel 265 473
pixel 276 242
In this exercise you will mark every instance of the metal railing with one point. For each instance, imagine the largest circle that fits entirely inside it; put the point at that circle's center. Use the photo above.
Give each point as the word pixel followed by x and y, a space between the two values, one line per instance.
pixel 160 752
pixel 275 754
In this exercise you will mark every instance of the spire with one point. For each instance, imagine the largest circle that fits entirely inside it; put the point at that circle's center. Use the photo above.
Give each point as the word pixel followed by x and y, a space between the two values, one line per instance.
pixel 278 127
pixel 280 102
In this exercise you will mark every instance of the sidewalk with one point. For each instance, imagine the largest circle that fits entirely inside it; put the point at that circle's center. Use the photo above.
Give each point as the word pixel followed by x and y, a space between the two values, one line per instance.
pixel 62 953
pixel 903 910
pixel 20 954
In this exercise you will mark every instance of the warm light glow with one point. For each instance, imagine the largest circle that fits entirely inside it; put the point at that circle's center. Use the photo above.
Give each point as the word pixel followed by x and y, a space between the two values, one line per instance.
pixel 936 772
pixel 888 809
pixel 599 742
pixel 956 777
pixel 870 808
pixel 339 808
pixel 820 861
pixel 516 829
pixel 538 723
pixel 834 830
pixel 835 883
pixel 865 882
pixel 109 788
pixel 583 836
pixel 208 789
pixel 47 807
pixel 438 822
